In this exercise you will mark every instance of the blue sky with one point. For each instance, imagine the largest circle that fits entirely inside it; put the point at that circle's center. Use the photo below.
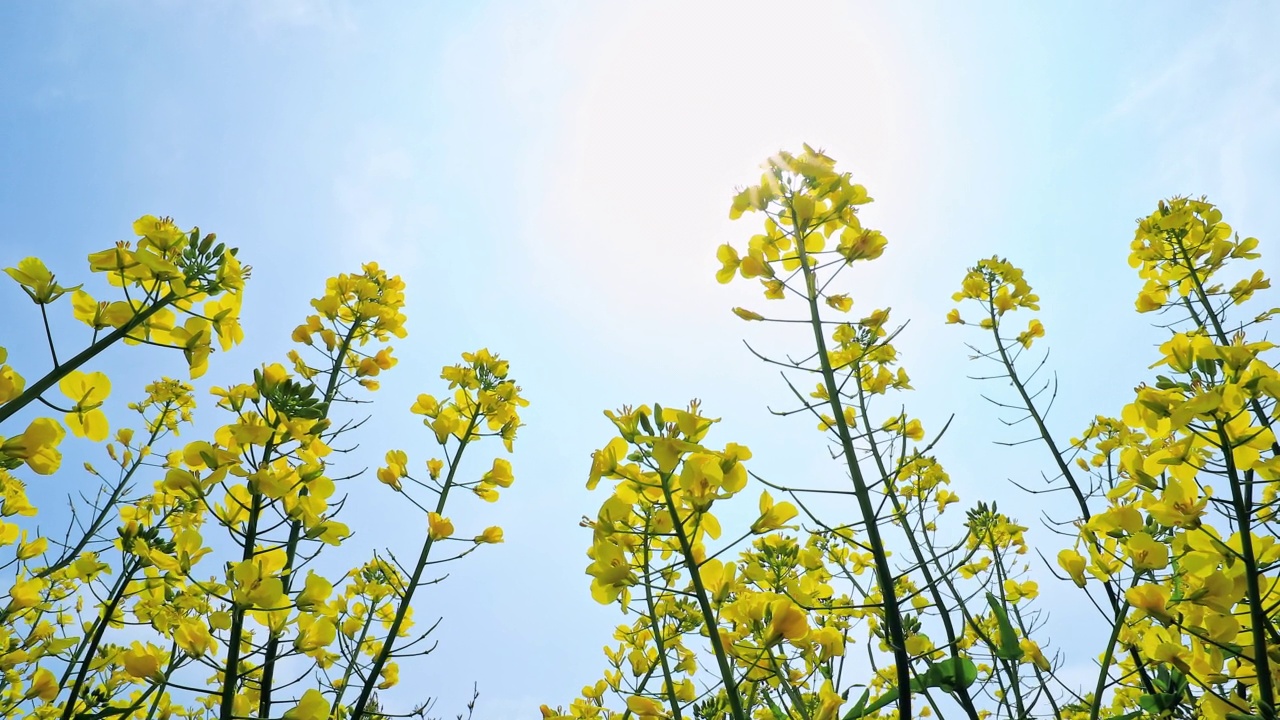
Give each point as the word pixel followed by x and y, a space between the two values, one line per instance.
pixel 551 179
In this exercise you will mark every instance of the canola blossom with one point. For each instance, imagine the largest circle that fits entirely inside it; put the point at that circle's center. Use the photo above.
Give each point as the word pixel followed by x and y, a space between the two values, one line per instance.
pixel 188 584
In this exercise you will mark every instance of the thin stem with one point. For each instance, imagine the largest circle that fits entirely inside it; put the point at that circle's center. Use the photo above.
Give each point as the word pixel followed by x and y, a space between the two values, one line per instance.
pixel 231 671
pixel 896 637
pixel 362 702
pixel 669 686
pixel 1258 619
pixel 48 334
pixel 1104 674
pixel 295 535
pixel 961 692
pixel 117 594
pixel 704 604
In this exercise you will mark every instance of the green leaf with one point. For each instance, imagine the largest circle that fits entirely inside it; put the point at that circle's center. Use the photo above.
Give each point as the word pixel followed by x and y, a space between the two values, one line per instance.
pixel 951 674
pixel 773 707
pixel 860 711
pixel 1009 648
pixel 859 708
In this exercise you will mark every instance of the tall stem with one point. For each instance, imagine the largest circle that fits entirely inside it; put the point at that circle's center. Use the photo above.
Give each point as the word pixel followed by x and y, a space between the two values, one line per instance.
pixel 1258 620
pixel 704 604
pixel 896 637
pixel 231 671
pixel 380 661
pixel 295 535
pixel 117 594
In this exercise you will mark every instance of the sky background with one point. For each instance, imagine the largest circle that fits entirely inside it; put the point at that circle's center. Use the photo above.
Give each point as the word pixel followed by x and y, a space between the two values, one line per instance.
pixel 551 179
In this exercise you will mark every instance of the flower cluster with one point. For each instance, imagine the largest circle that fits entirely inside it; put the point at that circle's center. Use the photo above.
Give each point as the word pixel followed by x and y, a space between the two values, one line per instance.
pixel 1177 494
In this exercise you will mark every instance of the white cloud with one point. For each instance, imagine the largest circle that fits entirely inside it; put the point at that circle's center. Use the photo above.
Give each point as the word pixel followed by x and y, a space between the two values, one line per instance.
pixel 266 16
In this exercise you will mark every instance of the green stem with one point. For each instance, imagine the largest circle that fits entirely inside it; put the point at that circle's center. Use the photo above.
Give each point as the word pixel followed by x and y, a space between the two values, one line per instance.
pixel 1113 596
pixel 231 671
pixel 704 604
pixel 380 661
pixel 670 684
pixel 1011 666
pixel 355 655
pixel 1100 687
pixel 1258 619
pixel 295 535
pixel 108 508
pixel 962 692
pixel 104 621
pixel 896 637
pixel 1203 297
pixel 57 373
pixel 48 333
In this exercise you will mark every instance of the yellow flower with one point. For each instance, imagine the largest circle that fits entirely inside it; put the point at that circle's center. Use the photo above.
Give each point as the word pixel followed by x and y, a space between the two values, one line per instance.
pixel 192 635
pixel 26 550
pixel 755 266
pixel 37 446
pixel 774 289
pixel 746 314
pixel 1151 599
pixel 144 661
pixel 11 383
pixel 918 645
pixel 1180 505
pixel 43 685
pixel 772 516
pixel 225 314
pixel 861 244
pixel 604 462
pixel 87 391
pixel 36 281
pixel 314 633
pixel 1074 563
pixel 1015 591
pixel 500 474
pixel 787 621
pixel 25 594
pixel 439 527
pixel 255 583
pixel 193 338
pixel 89 311
pixel 312 706
pixel 728 258
pixel 841 302
pixel 1034 330
pixel 1146 552
pixel 159 233
pixel 117 260
pixel 1031 651
pixel 829 702
pixel 492 535
pixel 1115 519
pixel 971 570
pixel 611 572
pixel 396 468
pixel 645 708
pixel 390 676
pixel 316 590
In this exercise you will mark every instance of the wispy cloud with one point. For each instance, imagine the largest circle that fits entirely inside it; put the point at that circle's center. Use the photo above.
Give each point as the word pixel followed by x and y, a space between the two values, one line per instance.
pixel 269 15
pixel 376 203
